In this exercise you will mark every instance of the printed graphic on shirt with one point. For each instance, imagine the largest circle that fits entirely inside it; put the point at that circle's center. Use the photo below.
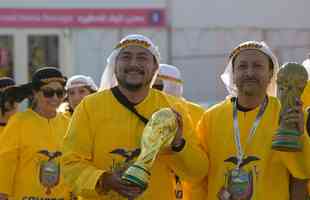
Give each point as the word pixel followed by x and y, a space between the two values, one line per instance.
pixel 128 155
pixel 120 165
pixel 238 181
pixel 49 170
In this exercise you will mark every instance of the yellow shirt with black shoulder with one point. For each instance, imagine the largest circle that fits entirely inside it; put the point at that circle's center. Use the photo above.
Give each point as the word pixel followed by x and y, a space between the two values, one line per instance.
pixel 30 157
pixel 266 171
pixel 103 134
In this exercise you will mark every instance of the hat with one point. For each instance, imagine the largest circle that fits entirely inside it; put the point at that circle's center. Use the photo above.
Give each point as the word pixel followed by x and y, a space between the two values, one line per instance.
pixel 80 81
pixel 40 77
pixel 108 79
pixel 9 92
pixel 6 82
pixel 172 80
pixel 227 76
pixel 306 64
pixel 46 75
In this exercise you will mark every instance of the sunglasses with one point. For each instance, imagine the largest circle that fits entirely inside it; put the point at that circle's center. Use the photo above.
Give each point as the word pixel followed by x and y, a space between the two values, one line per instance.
pixel 158 86
pixel 48 93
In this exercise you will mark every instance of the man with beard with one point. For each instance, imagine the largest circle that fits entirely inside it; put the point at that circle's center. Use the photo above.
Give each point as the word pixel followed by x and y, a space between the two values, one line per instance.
pixel 105 132
pixel 246 167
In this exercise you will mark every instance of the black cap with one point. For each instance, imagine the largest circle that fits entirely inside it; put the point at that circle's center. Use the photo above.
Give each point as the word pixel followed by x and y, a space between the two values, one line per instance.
pixel 6 82
pixel 41 77
pixel 46 75
pixel 8 93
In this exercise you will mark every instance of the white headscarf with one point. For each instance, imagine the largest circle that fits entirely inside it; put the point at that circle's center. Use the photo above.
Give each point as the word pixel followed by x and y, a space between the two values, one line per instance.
pixel 80 81
pixel 108 79
pixel 306 64
pixel 172 80
pixel 227 76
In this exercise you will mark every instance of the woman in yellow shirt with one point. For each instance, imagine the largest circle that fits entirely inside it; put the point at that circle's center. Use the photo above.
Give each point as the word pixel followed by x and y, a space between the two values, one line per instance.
pixel 77 87
pixel 30 152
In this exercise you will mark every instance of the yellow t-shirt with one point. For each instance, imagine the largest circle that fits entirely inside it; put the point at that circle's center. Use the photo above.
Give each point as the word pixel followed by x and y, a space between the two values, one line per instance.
pixel 195 111
pixel 101 125
pixel 1 128
pixel 66 117
pixel 196 190
pixel 27 143
pixel 270 174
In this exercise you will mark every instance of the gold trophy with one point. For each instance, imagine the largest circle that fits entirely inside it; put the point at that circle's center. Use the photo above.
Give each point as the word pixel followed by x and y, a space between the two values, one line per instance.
pixel 291 80
pixel 158 134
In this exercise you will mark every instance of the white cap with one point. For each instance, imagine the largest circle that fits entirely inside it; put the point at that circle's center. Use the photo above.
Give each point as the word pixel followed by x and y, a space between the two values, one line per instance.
pixel 81 81
pixel 172 80
pixel 108 79
pixel 227 76
pixel 306 64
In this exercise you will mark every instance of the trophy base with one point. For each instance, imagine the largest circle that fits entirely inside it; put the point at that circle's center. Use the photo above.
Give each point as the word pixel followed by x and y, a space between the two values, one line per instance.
pixel 137 176
pixel 287 140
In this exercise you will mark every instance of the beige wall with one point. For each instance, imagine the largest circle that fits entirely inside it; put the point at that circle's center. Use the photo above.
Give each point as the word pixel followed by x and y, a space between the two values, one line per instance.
pixel 205 31
pixel 241 13
pixel 202 54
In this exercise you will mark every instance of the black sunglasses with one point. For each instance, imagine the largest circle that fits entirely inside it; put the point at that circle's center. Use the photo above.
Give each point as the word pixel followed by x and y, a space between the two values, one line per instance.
pixel 158 86
pixel 48 93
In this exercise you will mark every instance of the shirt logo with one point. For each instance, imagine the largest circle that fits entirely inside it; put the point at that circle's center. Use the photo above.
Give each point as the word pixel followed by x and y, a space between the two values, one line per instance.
pixel 49 170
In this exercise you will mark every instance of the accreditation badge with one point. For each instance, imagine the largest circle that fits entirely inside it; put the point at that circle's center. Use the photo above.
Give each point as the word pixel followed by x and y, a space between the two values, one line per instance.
pixel 240 184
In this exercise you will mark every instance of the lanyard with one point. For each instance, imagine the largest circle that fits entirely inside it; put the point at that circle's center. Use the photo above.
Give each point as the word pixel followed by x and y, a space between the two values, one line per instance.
pixel 240 152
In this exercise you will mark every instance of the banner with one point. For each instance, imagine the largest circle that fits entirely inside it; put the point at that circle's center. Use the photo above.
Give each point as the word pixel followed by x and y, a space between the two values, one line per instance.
pixel 81 18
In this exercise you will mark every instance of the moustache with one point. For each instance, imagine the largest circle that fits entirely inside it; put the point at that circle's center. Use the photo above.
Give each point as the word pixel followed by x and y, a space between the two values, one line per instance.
pixel 251 80
pixel 140 71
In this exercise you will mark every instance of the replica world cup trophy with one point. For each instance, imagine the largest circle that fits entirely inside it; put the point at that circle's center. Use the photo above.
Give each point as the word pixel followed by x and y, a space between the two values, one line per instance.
pixel 158 134
pixel 291 81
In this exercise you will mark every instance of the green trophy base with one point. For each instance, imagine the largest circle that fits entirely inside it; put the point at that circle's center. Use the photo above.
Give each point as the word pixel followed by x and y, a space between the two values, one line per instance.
pixel 287 140
pixel 137 176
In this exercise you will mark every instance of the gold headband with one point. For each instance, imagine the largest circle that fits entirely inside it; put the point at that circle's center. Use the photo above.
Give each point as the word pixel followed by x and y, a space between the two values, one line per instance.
pixel 244 47
pixel 169 78
pixel 48 80
pixel 136 42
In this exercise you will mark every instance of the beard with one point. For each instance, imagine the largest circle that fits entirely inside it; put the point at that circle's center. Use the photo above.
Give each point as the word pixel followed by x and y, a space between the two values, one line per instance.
pixel 130 86
pixel 133 82
pixel 133 87
pixel 253 90
pixel 249 87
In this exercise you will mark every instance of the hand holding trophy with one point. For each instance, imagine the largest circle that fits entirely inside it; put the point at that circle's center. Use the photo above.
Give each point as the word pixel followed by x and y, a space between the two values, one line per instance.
pixel 291 80
pixel 158 134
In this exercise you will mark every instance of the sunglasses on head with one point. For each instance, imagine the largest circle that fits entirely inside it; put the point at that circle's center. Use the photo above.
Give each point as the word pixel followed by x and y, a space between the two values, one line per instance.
pixel 48 93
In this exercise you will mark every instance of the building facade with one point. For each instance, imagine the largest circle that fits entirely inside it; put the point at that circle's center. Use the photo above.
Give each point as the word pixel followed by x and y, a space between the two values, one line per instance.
pixel 195 35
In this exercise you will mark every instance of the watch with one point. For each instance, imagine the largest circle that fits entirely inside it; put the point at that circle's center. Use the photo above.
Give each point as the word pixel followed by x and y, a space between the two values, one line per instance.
pixel 178 147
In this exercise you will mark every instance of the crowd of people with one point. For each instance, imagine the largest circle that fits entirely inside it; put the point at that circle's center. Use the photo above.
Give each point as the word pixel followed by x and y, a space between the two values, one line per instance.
pixel 76 140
